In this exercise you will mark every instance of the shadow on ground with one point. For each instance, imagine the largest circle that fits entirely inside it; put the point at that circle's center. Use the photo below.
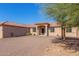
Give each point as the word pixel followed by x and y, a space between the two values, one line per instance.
pixel 69 43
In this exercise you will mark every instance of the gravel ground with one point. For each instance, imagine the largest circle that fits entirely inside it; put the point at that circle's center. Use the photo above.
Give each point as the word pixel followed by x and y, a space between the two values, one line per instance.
pixel 26 45
pixel 32 46
pixel 58 50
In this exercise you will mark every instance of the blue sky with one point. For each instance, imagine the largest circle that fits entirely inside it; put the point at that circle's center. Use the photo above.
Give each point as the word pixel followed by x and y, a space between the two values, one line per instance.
pixel 24 13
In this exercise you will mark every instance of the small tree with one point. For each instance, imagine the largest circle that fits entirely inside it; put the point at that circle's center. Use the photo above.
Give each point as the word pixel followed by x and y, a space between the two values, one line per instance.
pixel 61 12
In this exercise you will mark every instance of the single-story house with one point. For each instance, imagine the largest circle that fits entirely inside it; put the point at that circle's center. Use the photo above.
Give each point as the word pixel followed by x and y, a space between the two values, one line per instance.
pixel 9 29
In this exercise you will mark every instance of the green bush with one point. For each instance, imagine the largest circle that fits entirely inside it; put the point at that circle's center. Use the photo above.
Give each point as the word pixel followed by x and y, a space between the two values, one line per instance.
pixel 28 34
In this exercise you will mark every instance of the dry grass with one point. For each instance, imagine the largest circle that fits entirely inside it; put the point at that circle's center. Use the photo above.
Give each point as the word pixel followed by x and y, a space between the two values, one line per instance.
pixel 68 47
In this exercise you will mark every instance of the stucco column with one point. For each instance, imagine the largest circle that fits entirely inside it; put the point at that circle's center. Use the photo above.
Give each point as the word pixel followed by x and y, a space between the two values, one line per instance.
pixel 37 32
pixel 46 30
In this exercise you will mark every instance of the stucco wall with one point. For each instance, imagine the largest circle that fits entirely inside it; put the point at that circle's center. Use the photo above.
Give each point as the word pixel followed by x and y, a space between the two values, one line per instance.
pixel 33 33
pixel 57 32
pixel 9 31
pixel 73 33
pixel 1 32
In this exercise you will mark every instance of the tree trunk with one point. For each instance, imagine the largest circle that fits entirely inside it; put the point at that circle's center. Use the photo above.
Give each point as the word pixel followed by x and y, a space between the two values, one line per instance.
pixel 63 33
pixel 77 33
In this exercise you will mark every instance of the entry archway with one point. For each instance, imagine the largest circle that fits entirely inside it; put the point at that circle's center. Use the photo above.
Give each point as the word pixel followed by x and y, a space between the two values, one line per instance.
pixel 42 28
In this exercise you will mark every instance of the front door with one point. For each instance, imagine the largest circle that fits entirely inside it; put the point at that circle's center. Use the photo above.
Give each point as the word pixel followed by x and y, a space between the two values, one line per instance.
pixel 41 30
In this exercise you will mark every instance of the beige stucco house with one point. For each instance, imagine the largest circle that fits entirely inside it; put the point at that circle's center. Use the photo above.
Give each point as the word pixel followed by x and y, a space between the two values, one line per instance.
pixel 43 29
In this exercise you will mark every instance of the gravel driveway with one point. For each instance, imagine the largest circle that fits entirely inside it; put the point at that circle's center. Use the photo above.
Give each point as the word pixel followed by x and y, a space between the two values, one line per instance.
pixel 26 45
pixel 32 46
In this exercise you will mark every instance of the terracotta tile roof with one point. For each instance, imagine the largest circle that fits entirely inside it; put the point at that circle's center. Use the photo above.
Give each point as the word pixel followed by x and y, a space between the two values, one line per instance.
pixel 15 24
pixel 41 23
pixel 30 25
pixel 54 24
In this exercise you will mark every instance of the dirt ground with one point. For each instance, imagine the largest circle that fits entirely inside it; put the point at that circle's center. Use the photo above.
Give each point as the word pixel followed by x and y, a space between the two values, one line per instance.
pixel 33 46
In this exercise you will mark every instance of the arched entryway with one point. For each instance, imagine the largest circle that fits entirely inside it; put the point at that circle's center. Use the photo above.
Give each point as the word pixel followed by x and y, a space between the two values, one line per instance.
pixel 42 29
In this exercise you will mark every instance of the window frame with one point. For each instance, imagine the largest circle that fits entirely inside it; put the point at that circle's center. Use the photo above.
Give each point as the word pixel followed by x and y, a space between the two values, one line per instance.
pixel 34 29
pixel 52 29
pixel 69 29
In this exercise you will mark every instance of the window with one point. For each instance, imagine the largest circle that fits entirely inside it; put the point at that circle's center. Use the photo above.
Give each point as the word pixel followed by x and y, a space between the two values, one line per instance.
pixel 69 29
pixel 34 29
pixel 52 29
